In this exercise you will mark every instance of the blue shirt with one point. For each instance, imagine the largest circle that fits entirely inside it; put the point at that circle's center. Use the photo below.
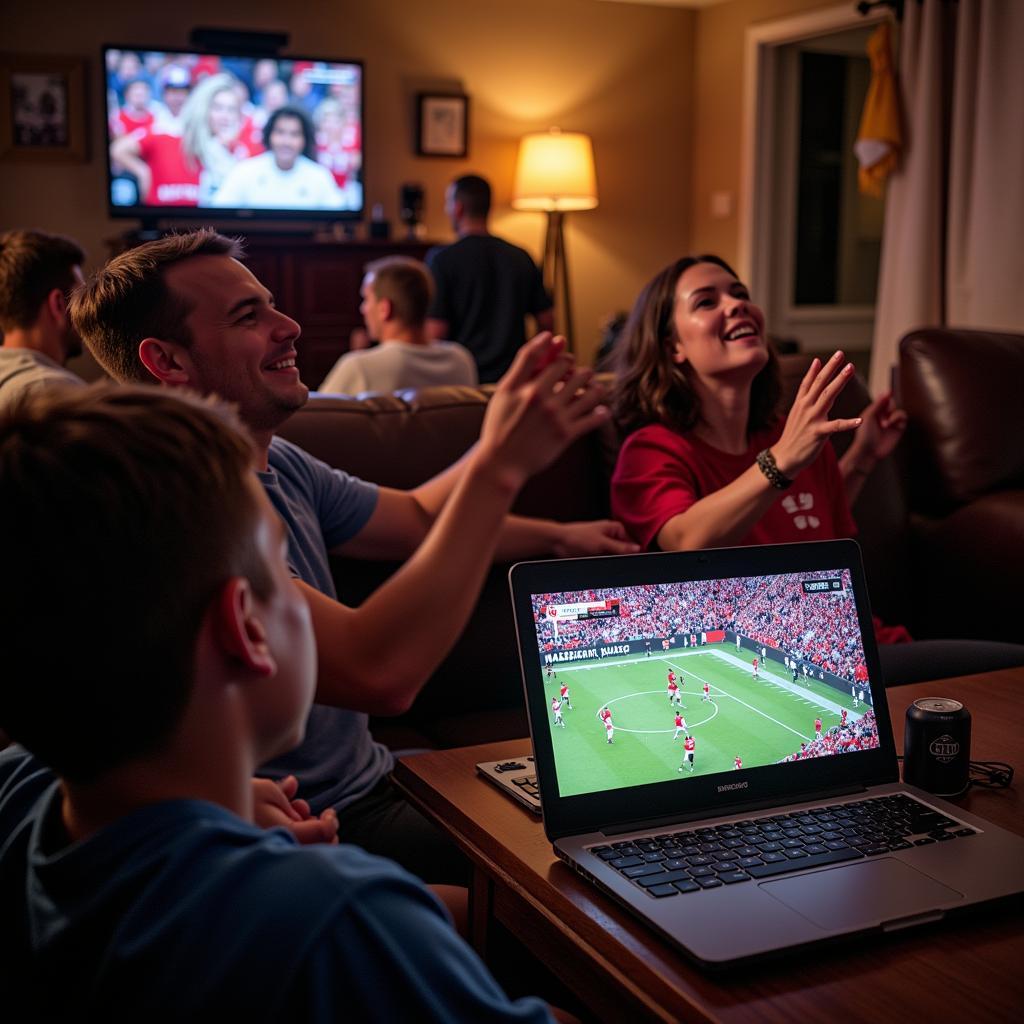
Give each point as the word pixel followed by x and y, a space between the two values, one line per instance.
pixel 182 911
pixel 338 762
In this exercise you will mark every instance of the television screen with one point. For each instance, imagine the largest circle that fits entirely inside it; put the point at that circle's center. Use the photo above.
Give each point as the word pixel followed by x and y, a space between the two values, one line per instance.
pixel 247 136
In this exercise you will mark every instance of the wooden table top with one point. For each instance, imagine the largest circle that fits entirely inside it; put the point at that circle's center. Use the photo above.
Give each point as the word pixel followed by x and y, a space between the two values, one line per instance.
pixel 971 968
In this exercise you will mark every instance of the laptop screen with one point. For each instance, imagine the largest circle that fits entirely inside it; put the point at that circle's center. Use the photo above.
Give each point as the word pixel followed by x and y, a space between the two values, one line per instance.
pixel 675 681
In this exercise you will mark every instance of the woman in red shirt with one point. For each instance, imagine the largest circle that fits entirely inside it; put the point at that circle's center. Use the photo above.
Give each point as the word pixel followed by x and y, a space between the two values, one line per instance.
pixel 707 461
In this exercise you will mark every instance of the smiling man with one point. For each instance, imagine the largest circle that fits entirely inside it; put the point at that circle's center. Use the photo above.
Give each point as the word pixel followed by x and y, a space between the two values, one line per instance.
pixel 184 312
pixel 287 176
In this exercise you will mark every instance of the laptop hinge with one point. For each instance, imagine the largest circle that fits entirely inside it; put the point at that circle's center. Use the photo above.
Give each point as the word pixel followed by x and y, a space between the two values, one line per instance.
pixel 732 809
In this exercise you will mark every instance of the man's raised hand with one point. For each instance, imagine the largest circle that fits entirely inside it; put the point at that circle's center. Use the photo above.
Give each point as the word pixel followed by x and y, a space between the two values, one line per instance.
pixel 542 404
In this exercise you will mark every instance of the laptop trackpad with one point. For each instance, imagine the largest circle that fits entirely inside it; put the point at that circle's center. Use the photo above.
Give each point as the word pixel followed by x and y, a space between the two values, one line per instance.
pixel 861 895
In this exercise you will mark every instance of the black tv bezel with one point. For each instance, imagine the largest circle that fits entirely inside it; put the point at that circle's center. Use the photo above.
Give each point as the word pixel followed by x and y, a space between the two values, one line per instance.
pixel 149 215
pixel 665 799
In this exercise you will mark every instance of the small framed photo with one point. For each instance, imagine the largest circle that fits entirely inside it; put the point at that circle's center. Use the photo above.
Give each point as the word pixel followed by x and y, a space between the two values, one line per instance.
pixel 442 124
pixel 42 108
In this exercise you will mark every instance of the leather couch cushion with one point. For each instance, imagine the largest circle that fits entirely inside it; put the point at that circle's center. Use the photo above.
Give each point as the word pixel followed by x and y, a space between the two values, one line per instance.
pixel 963 392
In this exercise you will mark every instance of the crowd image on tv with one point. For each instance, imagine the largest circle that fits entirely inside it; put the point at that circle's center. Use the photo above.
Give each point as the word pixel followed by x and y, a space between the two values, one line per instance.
pixel 197 130
pixel 773 610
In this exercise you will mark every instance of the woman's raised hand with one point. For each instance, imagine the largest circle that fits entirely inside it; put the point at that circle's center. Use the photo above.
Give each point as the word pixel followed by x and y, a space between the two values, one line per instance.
pixel 807 425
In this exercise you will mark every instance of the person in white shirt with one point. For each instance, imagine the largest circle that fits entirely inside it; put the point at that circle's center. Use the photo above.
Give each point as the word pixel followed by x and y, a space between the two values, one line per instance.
pixel 397 292
pixel 37 274
pixel 287 176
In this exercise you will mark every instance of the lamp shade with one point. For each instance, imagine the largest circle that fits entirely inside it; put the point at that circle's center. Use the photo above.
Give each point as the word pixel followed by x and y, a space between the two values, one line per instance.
pixel 555 171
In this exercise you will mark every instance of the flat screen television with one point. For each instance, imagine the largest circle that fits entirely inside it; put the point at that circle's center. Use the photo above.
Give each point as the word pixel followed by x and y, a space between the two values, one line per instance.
pixel 244 136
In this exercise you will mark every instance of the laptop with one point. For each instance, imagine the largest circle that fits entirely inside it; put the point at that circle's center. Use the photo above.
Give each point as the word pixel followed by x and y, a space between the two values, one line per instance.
pixel 727 768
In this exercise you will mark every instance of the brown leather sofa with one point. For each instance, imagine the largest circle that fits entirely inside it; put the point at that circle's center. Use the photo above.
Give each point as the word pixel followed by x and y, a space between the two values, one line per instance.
pixel 963 461
pixel 403 439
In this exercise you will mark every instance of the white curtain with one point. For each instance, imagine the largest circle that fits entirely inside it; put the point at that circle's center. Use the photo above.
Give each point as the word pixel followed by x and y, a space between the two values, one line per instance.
pixel 953 242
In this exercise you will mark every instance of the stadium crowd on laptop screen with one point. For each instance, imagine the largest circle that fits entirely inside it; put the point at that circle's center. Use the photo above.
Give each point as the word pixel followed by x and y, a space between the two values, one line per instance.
pixel 245 135
pixel 672 680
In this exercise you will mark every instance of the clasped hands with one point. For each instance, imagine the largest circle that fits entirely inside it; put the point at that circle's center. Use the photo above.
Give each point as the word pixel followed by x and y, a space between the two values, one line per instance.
pixel 274 805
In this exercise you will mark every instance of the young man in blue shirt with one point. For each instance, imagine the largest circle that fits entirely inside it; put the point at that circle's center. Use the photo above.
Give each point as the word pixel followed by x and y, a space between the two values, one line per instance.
pixel 156 651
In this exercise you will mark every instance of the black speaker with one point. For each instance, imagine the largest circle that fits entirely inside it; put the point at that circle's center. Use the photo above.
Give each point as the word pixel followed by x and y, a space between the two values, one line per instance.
pixel 410 205
pixel 238 41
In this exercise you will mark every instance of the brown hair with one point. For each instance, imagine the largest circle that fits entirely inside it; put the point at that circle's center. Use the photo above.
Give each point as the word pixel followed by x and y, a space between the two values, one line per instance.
pixel 407 284
pixel 128 300
pixel 650 386
pixel 32 264
pixel 127 509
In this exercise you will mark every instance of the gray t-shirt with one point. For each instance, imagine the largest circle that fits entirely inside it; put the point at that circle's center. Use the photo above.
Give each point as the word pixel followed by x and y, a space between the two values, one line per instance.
pixel 395 365
pixel 24 369
pixel 338 762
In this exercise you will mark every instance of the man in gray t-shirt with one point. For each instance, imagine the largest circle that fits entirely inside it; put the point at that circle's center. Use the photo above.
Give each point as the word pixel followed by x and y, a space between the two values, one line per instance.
pixel 396 292
pixel 37 273
pixel 227 338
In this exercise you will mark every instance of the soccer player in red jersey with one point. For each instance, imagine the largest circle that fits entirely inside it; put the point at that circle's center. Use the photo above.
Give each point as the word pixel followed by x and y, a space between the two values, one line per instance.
pixel 817 728
pixel 707 692
pixel 680 725
pixel 755 667
pixel 689 746
pixel 737 762
pixel 564 693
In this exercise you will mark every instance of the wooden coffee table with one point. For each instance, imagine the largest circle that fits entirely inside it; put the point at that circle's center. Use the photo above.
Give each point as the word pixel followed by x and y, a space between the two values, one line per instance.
pixel 971 969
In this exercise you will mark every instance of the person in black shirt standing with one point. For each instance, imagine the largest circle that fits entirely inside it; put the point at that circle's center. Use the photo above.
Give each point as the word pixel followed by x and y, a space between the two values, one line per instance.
pixel 485 286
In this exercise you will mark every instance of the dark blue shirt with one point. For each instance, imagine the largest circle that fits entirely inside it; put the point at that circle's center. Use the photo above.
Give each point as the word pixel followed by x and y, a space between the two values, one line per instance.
pixel 181 911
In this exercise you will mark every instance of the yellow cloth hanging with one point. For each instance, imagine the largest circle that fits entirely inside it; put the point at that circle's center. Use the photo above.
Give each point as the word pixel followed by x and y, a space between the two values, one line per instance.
pixel 879 138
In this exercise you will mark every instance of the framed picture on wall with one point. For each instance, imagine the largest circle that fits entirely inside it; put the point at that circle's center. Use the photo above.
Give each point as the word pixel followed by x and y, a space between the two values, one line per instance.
pixel 442 124
pixel 42 108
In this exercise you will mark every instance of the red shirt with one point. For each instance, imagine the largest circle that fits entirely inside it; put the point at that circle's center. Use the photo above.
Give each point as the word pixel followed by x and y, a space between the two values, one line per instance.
pixel 174 182
pixel 660 473
pixel 689 744
pixel 125 121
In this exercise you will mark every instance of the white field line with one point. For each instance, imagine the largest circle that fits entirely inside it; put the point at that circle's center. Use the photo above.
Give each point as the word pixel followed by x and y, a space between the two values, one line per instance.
pixel 644 693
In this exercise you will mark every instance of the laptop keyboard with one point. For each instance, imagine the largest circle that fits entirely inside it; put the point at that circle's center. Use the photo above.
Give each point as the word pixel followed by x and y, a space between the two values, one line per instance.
pixel 706 858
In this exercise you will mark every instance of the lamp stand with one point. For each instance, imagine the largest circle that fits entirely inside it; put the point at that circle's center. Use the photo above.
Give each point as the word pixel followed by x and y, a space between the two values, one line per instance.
pixel 555 271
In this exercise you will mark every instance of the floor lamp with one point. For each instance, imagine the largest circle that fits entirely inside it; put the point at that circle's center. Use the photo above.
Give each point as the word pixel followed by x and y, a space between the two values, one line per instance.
pixel 555 174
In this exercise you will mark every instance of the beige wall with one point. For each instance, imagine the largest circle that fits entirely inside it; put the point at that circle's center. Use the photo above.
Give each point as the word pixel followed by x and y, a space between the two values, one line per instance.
pixel 720 42
pixel 621 72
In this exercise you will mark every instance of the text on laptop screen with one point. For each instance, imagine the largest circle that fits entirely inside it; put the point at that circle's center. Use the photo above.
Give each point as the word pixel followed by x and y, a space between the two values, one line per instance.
pixel 672 680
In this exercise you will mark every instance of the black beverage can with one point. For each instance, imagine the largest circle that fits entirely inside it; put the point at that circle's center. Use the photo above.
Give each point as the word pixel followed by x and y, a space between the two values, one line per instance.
pixel 937 745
